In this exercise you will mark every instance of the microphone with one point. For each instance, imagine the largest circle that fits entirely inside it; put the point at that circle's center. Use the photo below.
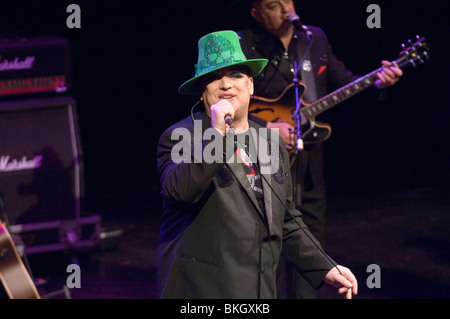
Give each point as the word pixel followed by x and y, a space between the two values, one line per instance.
pixel 295 20
pixel 228 119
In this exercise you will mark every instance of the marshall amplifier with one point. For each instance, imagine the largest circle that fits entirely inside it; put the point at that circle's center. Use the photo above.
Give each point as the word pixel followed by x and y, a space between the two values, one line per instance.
pixel 36 65
pixel 41 174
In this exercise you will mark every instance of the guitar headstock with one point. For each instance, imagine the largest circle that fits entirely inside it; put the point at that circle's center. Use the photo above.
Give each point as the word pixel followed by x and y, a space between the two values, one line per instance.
pixel 417 52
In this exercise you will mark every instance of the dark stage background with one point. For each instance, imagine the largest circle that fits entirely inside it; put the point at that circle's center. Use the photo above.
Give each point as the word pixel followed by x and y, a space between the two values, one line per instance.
pixel 130 57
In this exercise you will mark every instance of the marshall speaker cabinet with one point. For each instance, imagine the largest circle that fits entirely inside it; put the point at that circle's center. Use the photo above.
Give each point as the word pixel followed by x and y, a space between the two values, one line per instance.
pixel 41 174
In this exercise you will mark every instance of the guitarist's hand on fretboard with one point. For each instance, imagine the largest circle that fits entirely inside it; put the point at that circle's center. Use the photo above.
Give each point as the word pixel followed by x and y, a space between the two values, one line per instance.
pixel 389 76
pixel 286 132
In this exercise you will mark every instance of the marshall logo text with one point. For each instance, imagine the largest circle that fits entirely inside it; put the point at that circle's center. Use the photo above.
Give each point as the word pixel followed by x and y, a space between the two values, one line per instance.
pixel 16 64
pixel 11 165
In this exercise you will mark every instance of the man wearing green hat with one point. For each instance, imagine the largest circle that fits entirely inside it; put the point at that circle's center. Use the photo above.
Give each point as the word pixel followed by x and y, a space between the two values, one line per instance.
pixel 228 213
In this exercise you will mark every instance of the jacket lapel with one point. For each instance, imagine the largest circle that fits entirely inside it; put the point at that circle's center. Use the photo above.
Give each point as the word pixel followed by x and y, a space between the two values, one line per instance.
pixel 239 173
pixel 262 144
pixel 263 153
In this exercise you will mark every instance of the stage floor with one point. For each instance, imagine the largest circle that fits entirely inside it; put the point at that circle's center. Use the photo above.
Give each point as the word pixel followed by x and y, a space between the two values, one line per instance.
pixel 403 231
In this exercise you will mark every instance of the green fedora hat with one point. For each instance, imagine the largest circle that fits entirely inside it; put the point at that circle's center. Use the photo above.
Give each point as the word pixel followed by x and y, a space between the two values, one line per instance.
pixel 216 51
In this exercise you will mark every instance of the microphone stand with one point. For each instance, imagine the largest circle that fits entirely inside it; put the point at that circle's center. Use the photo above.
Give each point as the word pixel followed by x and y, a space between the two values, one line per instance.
pixel 296 181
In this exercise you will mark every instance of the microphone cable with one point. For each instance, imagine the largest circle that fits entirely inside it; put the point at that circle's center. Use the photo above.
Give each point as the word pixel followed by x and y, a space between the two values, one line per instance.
pixel 276 195
pixel 286 208
pixel 192 110
pixel 229 122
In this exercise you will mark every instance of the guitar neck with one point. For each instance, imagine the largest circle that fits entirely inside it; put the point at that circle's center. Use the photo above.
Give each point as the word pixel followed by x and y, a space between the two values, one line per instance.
pixel 328 101
pixel 325 103
pixel 281 108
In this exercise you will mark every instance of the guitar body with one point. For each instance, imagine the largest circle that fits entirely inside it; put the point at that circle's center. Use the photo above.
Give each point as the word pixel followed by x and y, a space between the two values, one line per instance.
pixel 14 276
pixel 282 109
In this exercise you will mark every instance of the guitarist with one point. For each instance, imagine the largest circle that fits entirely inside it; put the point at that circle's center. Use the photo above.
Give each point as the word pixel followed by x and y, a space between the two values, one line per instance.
pixel 272 36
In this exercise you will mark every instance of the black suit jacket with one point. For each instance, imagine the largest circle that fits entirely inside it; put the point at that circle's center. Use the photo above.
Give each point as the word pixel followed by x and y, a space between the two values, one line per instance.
pixel 215 242
pixel 325 66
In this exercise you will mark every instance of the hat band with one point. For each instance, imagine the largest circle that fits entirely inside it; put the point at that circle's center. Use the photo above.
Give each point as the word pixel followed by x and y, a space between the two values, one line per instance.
pixel 212 67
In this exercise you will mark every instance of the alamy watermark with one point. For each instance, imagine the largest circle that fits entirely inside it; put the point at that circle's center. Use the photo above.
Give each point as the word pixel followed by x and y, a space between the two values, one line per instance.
pixel 374 279
pixel 74 19
pixel 374 19
pixel 209 147
pixel 74 279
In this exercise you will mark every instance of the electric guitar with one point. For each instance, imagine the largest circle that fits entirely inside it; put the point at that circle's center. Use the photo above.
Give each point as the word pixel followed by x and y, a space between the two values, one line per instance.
pixel 283 107
pixel 14 276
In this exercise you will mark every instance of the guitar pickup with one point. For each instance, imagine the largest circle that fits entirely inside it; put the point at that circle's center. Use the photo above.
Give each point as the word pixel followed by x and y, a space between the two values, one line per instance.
pixel 258 110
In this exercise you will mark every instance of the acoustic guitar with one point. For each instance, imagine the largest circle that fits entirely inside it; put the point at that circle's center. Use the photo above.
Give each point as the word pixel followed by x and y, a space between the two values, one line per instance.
pixel 283 107
pixel 13 274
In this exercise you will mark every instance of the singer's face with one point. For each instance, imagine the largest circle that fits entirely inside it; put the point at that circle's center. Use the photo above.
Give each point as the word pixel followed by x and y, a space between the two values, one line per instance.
pixel 273 14
pixel 231 84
